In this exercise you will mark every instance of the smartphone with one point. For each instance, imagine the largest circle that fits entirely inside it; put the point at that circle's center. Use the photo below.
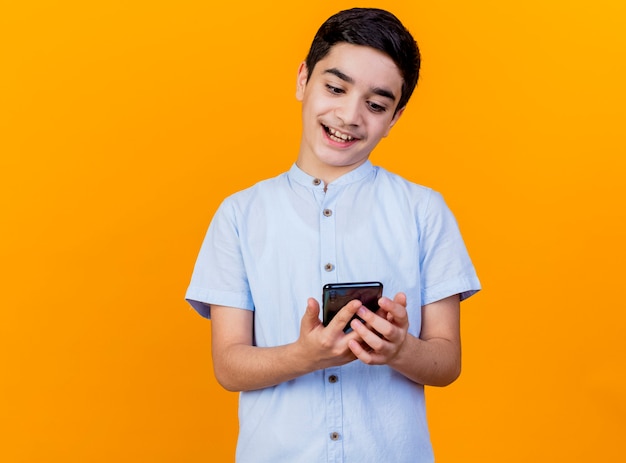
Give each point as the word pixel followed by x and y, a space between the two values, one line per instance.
pixel 337 295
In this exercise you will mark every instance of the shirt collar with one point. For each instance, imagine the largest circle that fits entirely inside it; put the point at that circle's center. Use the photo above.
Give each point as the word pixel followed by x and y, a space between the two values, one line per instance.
pixel 299 176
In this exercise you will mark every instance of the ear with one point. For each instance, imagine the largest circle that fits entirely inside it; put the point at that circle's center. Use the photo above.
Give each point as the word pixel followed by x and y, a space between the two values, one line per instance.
pixel 303 76
pixel 394 120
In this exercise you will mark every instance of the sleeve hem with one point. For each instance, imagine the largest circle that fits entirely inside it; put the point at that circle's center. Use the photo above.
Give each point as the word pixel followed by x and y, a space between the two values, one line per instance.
pixel 202 299
pixel 464 287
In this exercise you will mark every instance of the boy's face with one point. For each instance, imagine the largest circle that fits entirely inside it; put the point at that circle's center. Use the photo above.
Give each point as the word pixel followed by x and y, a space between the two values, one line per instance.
pixel 348 105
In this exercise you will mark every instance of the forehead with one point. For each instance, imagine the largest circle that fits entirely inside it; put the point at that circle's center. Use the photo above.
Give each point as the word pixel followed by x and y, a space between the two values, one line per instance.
pixel 364 65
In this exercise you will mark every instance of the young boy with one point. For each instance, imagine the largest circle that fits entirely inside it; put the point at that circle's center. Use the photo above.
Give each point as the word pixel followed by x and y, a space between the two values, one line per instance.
pixel 309 392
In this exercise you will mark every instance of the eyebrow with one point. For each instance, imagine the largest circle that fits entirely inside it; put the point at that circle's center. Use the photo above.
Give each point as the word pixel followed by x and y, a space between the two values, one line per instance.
pixel 346 78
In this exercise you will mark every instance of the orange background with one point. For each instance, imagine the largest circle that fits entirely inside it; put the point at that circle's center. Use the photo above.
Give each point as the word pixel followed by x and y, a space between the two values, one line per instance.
pixel 124 124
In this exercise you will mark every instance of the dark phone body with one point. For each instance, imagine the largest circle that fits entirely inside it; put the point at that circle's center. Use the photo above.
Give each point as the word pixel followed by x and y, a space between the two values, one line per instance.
pixel 337 295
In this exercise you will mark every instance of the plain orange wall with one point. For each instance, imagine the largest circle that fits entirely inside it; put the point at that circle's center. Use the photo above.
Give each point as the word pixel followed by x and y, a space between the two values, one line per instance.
pixel 124 124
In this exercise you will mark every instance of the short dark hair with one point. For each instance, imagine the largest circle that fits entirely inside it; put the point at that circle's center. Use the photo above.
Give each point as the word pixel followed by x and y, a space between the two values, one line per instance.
pixel 370 27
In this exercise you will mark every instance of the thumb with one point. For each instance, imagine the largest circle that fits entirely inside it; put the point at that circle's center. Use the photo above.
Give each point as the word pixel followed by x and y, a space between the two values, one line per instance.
pixel 400 298
pixel 311 315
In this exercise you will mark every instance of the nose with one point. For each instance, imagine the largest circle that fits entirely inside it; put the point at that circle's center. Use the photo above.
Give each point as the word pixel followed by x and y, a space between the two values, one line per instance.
pixel 349 111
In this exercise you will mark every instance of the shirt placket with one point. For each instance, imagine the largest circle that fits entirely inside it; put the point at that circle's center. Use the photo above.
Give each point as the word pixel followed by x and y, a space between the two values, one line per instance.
pixel 332 376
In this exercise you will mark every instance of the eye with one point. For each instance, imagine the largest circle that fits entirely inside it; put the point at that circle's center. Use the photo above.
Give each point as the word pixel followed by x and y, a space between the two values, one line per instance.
pixel 334 90
pixel 376 108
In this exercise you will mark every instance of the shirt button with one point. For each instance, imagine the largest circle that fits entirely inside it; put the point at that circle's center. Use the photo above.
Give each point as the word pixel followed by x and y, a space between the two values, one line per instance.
pixel 333 379
pixel 334 436
pixel 328 212
pixel 329 267
pixel 316 181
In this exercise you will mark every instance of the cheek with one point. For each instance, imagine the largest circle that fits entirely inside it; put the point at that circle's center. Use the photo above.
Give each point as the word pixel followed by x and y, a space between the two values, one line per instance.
pixel 377 131
pixel 320 103
pixel 385 127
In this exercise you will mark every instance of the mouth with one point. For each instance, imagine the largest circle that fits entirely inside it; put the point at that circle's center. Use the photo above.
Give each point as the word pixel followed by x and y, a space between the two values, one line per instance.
pixel 337 136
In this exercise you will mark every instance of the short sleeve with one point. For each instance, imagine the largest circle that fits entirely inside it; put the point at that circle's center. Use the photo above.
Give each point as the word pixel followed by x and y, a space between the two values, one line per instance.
pixel 445 266
pixel 219 275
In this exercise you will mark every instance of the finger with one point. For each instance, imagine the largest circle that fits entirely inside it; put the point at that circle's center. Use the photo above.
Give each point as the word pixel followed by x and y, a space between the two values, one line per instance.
pixel 377 321
pixel 359 352
pixel 396 308
pixel 375 341
pixel 388 327
pixel 365 355
pixel 343 317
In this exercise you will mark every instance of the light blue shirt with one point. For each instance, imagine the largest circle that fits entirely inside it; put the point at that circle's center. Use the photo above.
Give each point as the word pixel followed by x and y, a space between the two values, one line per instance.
pixel 272 246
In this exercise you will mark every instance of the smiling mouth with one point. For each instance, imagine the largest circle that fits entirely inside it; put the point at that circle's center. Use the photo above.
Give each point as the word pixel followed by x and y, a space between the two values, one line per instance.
pixel 337 136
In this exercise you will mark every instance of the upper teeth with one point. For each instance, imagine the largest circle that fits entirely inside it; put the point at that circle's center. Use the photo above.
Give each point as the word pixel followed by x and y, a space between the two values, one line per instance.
pixel 338 134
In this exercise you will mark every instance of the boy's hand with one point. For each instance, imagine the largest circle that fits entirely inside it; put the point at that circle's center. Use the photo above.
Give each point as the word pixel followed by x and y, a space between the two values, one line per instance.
pixel 327 346
pixel 383 333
